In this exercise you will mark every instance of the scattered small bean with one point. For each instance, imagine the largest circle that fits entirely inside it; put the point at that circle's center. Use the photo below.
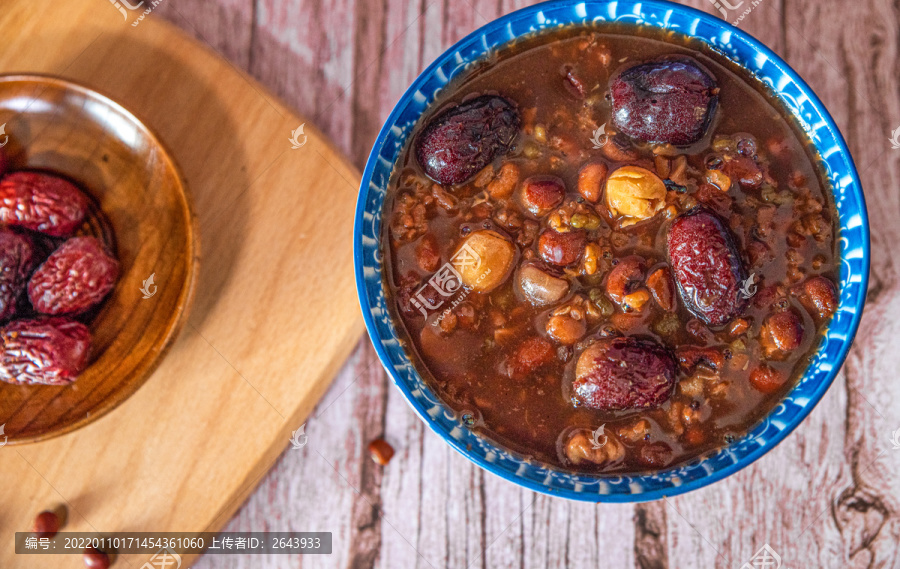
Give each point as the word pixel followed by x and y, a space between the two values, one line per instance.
pixel 381 451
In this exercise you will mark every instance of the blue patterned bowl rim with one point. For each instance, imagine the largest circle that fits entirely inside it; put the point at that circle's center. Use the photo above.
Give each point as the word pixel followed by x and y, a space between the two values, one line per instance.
pixel 800 101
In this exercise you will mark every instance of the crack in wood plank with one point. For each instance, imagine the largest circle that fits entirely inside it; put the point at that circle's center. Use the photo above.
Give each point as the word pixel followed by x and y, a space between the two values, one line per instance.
pixel 865 512
pixel 650 547
pixel 366 511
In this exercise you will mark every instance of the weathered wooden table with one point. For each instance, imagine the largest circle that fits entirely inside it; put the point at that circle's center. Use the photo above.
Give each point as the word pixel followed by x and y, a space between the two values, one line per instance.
pixel 829 496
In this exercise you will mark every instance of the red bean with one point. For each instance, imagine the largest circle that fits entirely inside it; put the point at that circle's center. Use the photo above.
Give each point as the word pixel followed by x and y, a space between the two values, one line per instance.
pixel 781 333
pixel 759 253
pixel 738 327
pixel 745 170
pixel 766 380
pixel 529 356
pixel 561 249
pixel 694 436
pixel 625 322
pixel 655 455
pixel 46 524
pixel 690 356
pixel 699 331
pixel 716 199
pixel 428 254
pixel 95 559
pixel 540 194
pixel 381 451
pixel 661 287
pixel 624 277
pixel 590 181
pixel 819 297
pixel 565 329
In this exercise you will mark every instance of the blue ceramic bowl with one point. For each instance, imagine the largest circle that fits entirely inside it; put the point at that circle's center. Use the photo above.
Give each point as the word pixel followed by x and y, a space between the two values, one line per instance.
pixel 797 97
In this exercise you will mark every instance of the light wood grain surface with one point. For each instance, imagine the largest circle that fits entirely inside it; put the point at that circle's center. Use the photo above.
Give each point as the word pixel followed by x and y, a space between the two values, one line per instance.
pixel 829 496
pixel 275 310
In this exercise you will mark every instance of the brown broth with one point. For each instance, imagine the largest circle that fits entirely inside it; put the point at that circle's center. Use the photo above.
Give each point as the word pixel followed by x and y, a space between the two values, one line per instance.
pixel 533 417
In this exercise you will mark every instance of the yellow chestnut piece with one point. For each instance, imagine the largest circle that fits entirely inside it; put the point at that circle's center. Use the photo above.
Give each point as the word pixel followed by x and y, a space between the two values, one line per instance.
pixel 634 193
pixel 484 260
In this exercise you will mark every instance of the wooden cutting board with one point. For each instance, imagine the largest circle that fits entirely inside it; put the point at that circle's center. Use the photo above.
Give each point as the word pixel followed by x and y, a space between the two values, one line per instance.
pixel 275 312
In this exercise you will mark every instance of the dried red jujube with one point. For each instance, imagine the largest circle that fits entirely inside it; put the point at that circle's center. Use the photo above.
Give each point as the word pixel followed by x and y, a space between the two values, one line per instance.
pixel 49 351
pixel 16 261
pixel 76 277
pixel 670 100
pixel 41 202
pixel 465 138
pixel 706 266
pixel 624 373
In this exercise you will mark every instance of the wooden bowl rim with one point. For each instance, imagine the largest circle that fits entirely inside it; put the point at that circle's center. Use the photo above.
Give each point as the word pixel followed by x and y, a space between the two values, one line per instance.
pixel 144 369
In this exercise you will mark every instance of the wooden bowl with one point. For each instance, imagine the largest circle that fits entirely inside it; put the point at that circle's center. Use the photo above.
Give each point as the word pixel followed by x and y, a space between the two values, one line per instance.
pixel 143 212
